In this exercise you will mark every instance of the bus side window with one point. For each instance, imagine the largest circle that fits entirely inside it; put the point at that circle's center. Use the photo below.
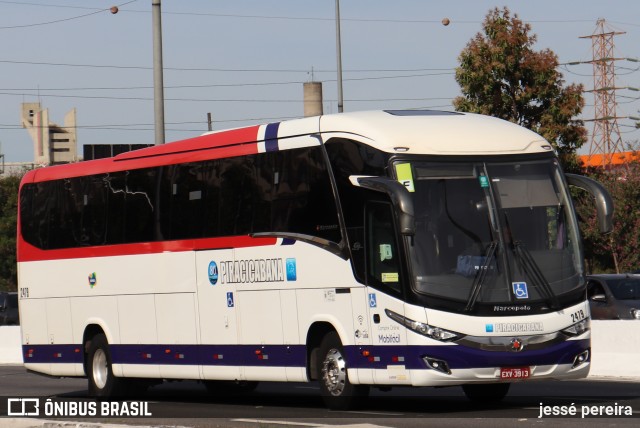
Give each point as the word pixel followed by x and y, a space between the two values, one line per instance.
pixel 186 201
pixel 95 213
pixel 383 261
pixel 303 201
pixel 140 203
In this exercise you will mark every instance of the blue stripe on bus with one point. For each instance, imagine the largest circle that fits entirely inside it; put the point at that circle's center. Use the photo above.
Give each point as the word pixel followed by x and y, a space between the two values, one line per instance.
pixel 211 355
pixel 458 357
pixel 52 354
pixel 462 357
pixel 271 137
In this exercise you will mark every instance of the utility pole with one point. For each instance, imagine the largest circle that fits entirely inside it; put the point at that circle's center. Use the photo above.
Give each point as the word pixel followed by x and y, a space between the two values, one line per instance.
pixel 605 139
pixel 158 80
pixel 339 58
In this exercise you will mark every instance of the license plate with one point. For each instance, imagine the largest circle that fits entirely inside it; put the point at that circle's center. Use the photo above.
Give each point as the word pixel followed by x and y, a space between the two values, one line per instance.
pixel 515 373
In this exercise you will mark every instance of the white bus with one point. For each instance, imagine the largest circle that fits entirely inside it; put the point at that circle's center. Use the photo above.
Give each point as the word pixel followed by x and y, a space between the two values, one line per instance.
pixel 385 248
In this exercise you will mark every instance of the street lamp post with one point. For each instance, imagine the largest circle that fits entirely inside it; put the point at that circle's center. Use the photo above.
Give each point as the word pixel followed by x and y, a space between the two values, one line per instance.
pixel 158 80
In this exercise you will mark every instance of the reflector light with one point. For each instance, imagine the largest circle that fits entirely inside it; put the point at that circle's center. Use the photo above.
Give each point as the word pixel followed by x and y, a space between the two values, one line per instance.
pixel 438 365
pixel 366 353
pixel 580 359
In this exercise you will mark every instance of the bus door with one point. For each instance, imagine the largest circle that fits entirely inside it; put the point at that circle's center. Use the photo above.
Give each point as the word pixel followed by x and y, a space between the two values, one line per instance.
pixel 218 322
pixel 383 276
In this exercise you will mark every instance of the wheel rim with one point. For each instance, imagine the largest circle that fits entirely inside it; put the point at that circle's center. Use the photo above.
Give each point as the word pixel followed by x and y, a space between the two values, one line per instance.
pixel 100 370
pixel 334 373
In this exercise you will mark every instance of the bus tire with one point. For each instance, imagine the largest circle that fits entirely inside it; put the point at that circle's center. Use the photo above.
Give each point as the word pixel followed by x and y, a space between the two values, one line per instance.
pixel 102 382
pixel 486 393
pixel 337 392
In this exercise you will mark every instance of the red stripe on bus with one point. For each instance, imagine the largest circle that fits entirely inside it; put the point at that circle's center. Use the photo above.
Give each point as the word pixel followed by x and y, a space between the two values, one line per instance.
pixel 228 144
pixel 105 166
pixel 221 139
pixel 29 253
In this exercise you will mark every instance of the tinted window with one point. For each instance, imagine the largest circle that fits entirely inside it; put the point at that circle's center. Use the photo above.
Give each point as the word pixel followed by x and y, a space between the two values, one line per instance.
pixel 625 289
pixel 348 158
pixel 284 191
pixel 383 259
pixel 190 209
pixel 303 200
pixel 12 301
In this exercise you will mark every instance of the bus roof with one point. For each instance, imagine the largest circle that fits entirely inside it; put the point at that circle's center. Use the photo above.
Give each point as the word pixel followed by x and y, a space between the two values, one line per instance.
pixel 409 131
pixel 437 132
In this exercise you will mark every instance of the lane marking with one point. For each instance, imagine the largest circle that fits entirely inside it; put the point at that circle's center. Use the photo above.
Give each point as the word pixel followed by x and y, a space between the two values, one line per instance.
pixel 307 424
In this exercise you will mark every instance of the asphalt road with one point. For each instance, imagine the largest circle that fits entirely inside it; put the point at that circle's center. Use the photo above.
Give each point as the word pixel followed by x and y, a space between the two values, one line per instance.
pixel 299 404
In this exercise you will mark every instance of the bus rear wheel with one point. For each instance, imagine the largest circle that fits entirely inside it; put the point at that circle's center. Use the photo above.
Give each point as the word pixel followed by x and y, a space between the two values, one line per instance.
pixel 486 393
pixel 337 392
pixel 102 382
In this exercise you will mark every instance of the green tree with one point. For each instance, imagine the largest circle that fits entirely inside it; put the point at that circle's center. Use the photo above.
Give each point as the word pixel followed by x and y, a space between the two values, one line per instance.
pixel 8 221
pixel 619 251
pixel 501 75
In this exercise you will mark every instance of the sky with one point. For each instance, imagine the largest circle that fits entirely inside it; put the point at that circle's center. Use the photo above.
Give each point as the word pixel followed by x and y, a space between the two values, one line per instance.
pixel 245 61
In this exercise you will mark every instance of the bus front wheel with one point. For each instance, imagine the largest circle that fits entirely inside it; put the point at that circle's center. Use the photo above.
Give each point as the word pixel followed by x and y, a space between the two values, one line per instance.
pixel 102 382
pixel 337 392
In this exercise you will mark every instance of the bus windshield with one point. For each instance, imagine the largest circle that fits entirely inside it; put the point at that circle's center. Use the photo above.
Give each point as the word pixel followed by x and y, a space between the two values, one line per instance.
pixel 492 232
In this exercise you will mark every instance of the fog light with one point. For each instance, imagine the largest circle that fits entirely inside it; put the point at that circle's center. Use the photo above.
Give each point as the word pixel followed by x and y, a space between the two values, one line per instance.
pixel 581 358
pixel 438 365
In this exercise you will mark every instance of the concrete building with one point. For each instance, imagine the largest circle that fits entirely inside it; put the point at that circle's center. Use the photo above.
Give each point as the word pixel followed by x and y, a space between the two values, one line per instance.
pixel 312 94
pixel 52 144
pixel 14 168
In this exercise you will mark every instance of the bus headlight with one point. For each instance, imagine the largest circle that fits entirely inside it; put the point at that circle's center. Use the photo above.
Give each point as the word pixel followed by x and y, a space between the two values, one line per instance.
pixel 578 328
pixel 427 330
pixel 635 314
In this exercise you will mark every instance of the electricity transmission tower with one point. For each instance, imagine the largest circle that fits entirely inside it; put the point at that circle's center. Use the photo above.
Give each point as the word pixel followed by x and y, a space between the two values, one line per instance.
pixel 605 139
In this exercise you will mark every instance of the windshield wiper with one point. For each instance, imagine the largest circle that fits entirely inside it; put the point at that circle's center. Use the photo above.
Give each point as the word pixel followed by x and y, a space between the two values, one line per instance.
pixel 529 266
pixel 478 281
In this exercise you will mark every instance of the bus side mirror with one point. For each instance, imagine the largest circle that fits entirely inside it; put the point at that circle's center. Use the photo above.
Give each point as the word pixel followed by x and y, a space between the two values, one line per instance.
pixel 400 197
pixel 604 203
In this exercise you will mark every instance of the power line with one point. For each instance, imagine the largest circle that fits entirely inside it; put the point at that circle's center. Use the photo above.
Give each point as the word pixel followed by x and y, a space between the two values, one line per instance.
pixel 59 20
pixel 226 100
pixel 304 18
pixel 234 70
pixel 243 16
pixel 216 85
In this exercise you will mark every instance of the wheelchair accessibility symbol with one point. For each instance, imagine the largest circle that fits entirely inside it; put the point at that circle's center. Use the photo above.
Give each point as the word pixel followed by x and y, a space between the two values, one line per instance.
pixel 230 303
pixel 372 301
pixel 520 290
